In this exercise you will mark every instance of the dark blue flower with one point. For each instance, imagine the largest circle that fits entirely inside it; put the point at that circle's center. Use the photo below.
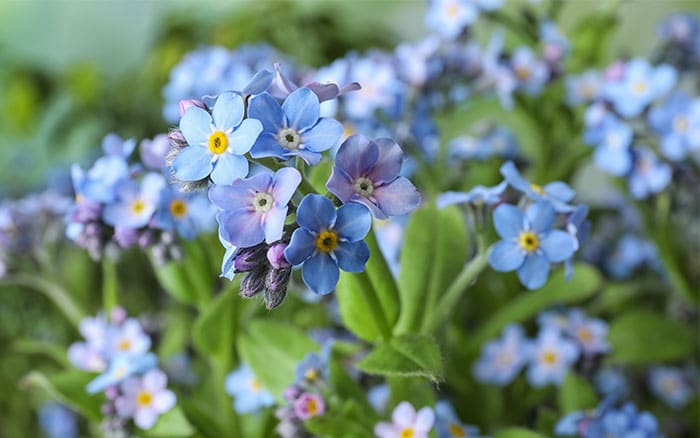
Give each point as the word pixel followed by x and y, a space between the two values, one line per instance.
pixel 327 240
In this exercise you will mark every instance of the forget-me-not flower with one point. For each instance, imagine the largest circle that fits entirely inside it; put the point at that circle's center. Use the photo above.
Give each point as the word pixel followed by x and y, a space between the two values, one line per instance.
pixel 672 386
pixel 649 174
pixel 590 333
pixel 529 243
pixel 640 84
pixel 145 399
pixel 613 153
pixel 557 193
pixel 135 203
pixel 448 425
pixel 502 359
pixel 550 357
pixel 217 141
pixel 677 120
pixel 327 240
pixel 187 213
pixel 405 421
pixel 248 393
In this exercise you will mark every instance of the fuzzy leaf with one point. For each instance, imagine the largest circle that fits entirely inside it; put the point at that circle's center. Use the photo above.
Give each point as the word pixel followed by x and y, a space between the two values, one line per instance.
pixel 405 356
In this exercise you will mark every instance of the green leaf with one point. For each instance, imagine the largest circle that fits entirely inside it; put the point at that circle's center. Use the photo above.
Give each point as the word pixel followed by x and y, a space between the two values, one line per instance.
pixel 517 432
pixel 273 350
pixel 405 356
pixel 173 278
pixel 576 394
pixel 345 387
pixel 68 387
pixel 319 174
pixel 583 284
pixel 346 423
pixel 214 330
pixel 434 253
pixel 643 336
pixel 172 424
pixel 201 417
pixel 31 346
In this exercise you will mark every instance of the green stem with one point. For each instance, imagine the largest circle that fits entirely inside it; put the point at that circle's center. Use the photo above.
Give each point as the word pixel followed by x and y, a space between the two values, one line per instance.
pixel 110 284
pixel 454 293
pixel 374 305
pixel 59 296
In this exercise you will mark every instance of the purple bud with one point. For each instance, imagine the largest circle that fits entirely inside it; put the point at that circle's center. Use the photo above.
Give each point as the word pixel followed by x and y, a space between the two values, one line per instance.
pixel 253 283
pixel 186 104
pixel 118 315
pixel 87 210
pixel 291 393
pixel 125 236
pixel 248 259
pixel 275 255
pixel 111 392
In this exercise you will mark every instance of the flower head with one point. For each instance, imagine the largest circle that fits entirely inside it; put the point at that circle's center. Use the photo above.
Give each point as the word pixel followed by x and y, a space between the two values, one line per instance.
pixel 248 393
pixel 144 399
pixel 367 172
pixel 672 386
pixel 589 333
pixel 550 357
pixel 309 405
pixel 448 425
pixel 254 209
pixel 649 175
pixel 640 85
pixel 406 422
pixel 502 359
pixel 327 240
pixel 187 213
pixel 217 142
pixel 557 193
pixel 677 120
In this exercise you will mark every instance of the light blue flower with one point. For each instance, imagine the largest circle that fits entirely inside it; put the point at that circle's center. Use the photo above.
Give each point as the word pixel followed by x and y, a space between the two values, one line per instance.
pixel 57 421
pixel 640 84
pixel 583 88
pixel 590 333
pixel 217 142
pixel 502 359
pixel 677 120
pixel 314 366
pixel 479 195
pixel 626 421
pixel 557 193
pixel 450 17
pixel 530 72
pixel 381 87
pixel 448 425
pixel 550 358
pixel 612 383
pixel 629 254
pixel 121 367
pixel 255 209
pixel 136 203
pixel 98 184
pixel 327 240
pixel 613 153
pixel 293 129
pixel 672 386
pixel 227 262
pixel 529 243
pixel 187 213
pixel 248 393
pixel 649 175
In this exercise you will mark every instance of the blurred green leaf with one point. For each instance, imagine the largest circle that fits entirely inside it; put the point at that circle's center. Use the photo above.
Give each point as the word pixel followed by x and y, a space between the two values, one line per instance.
pixel 517 432
pixel 350 422
pixel 69 388
pixel 576 394
pixel 645 337
pixel 406 355
pixel 172 424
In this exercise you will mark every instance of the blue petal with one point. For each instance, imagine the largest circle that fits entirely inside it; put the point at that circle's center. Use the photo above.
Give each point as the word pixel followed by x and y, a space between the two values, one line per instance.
pixel 260 82
pixel 397 198
pixel 301 246
pixel 309 157
pixel 192 164
pixel 533 273
pixel 285 183
pixel 356 156
pixel 508 220
pixel 506 256
pixel 274 223
pixel 267 145
pixel 512 175
pixel 196 126
pixel 450 198
pixel 558 246
pixel 243 138
pixel 316 213
pixel 540 216
pixel 559 190
pixel 664 78
pixel 320 273
pixel 228 111
pixel 266 109
pixel 302 109
pixel 353 222
pixel 229 168
pixel 229 197
pixel 242 228
pixel 323 136
pixel 352 256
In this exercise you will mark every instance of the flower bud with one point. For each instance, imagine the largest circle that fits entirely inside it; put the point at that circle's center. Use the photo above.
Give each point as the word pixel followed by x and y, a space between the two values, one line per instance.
pixel 275 255
pixel 253 283
pixel 186 104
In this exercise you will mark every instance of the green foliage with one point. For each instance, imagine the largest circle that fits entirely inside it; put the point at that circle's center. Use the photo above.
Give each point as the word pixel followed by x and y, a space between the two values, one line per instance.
pixel 406 355
pixel 69 388
pixel 348 422
pixel 576 394
pixel 172 424
pixel 517 432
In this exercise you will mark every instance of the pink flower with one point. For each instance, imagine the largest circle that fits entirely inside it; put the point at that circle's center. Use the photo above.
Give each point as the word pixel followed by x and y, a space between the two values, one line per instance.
pixel 309 405
pixel 406 423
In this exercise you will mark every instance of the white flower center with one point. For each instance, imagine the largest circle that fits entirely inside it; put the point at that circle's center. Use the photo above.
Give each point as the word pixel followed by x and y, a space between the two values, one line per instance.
pixel 363 186
pixel 288 138
pixel 263 202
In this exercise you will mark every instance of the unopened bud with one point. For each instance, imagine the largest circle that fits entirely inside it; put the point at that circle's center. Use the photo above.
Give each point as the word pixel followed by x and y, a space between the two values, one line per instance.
pixel 248 259
pixel 186 104
pixel 253 283
pixel 275 255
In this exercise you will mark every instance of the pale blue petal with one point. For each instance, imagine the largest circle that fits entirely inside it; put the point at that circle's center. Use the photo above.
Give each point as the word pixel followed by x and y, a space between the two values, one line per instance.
pixel 533 273
pixel 353 222
pixel 243 138
pixel 451 198
pixel 285 184
pixel 512 175
pixel 228 111
pixel 260 82
pixel 560 191
pixel 316 213
pixel 196 126
pixel 558 246
pixel 397 198
pixel 229 197
pixel 506 256
pixel 229 168
pixel 192 164
pixel 540 216
pixel 243 228
pixel 320 273
pixel 388 163
pixel 274 224
pixel 323 136
pixel 301 246
pixel 266 109
pixel 356 156
pixel 352 256
pixel 302 109
pixel 508 221
pixel 267 145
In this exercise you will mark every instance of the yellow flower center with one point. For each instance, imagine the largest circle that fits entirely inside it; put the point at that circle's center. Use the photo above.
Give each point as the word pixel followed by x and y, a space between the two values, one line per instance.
pixel 585 335
pixel 457 431
pixel 528 241
pixel 218 142
pixel 523 73
pixel 138 206
pixel 669 385
pixel 311 374
pixel 549 357
pixel 120 372
pixel 255 384
pixel 680 123
pixel 407 433
pixel 144 398
pixel 178 208
pixel 640 87
pixel 79 198
pixel 452 10
pixel 326 241
pixel 537 188
pixel 312 407
pixel 124 344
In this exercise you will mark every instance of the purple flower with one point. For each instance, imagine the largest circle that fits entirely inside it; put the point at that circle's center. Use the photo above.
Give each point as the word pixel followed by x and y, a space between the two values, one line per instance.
pixel 406 422
pixel 255 208
pixel 367 172
pixel 309 405
pixel 294 128
pixel 327 240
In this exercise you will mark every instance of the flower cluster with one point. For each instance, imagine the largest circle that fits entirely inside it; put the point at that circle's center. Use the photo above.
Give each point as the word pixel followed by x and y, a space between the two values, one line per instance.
pixel 563 338
pixel 606 420
pixel 122 204
pixel 118 348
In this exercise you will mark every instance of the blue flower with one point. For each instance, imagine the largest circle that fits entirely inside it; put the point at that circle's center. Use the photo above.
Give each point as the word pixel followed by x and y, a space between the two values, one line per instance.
pixel 530 72
pixel 557 193
pixel 625 421
pixel 649 175
pixel 550 357
pixel 254 209
pixel 381 87
pixel 529 244
pixel 611 383
pixel 677 120
pixel 672 386
pixel 187 213
pixel 121 367
pixel 135 203
pixel 583 88
pixel 590 333
pixel 327 240
pixel 114 145
pixel 98 184
pixel 314 366
pixel 294 128
pixel 248 393
pixel 450 17
pixel 502 359
pixel 613 153
pixel 57 421
pixel 629 254
pixel 477 195
pixel 217 142
pixel 448 425
pixel 367 172
pixel 639 86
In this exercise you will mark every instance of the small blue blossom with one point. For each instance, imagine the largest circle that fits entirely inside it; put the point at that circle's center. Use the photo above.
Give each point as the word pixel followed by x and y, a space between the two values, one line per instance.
pixel 529 243
pixel 314 366
pixel 626 421
pixel 611 383
pixel 557 193
pixel 57 421
pixel 498 142
pixel 135 203
pixel 254 209
pixel 448 425
pixel 613 152
pixel 217 141
pixel 649 175
pixel 479 195
pixel 629 254
pixel 248 393
pixel 293 129
pixel 414 60
pixel 672 386
pixel 550 357
pixel 120 368
pixel 639 86
pixel 378 396
pixel 553 319
pixel 677 121
pixel 589 333
pixel 502 359
pixel 683 29
pixel 327 240
pixel 187 213
pixel 584 88
pixel 381 88
pixel 99 183
pixel 530 72
pixel 450 17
